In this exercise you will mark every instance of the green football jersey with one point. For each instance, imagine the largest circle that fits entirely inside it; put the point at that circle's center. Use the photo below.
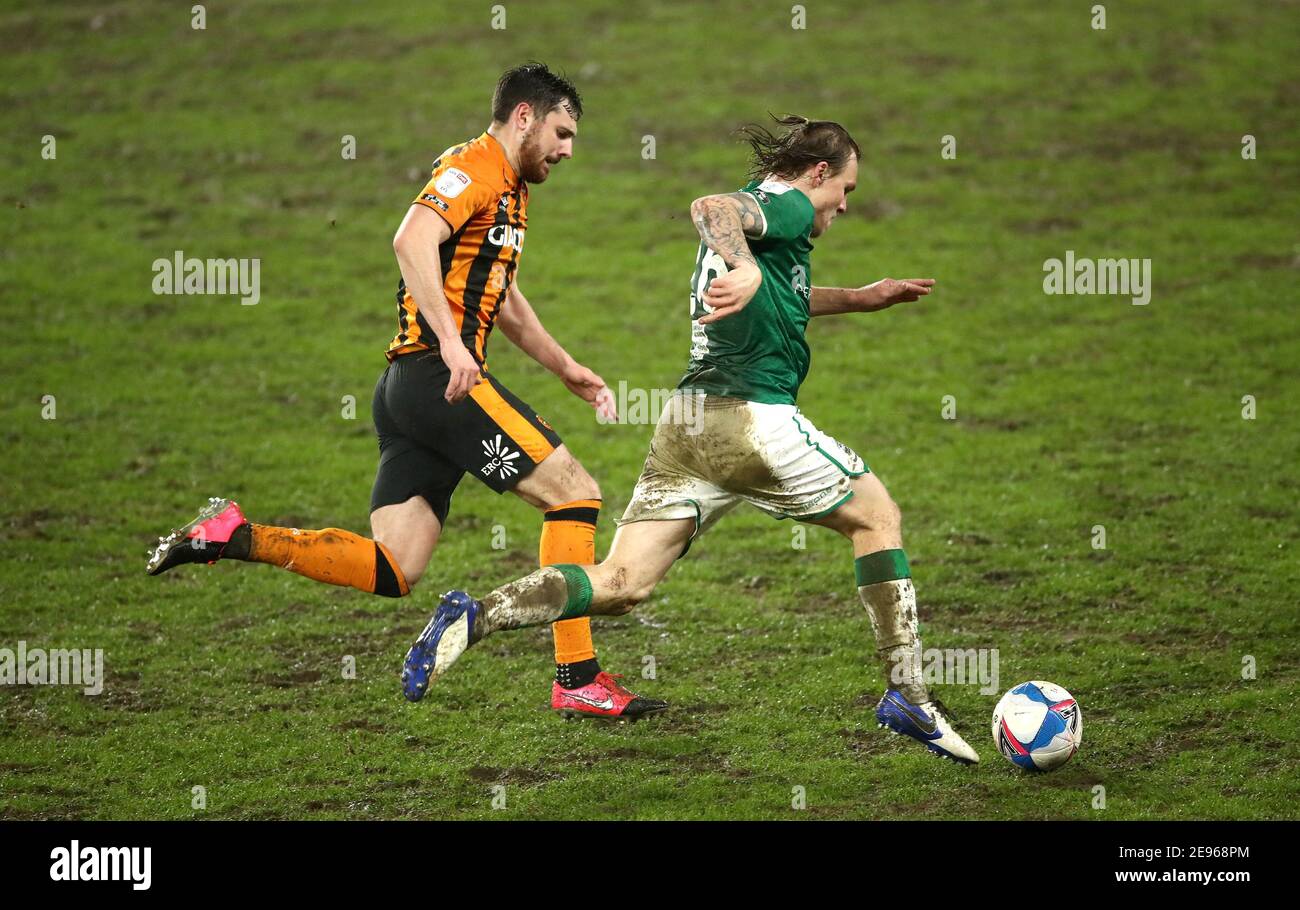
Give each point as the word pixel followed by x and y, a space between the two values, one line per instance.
pixel 758 354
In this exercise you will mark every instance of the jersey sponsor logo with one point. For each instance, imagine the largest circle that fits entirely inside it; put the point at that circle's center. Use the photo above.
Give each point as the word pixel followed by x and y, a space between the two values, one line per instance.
pixel 506 235
pixel 452 182
pixel 429 197
pixel 500 459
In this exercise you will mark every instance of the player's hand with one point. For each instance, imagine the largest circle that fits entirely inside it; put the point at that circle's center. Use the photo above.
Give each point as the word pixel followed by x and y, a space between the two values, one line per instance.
pixel 465 371
pixel 888 291
pixel 728 294
pixel 592 389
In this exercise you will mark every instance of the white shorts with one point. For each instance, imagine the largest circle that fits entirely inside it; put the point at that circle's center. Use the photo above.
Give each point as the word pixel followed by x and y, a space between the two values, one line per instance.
pixel 709 453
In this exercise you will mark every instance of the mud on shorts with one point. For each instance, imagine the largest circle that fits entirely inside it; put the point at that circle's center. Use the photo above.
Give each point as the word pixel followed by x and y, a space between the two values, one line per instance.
pixel 709 453
pixel 426 445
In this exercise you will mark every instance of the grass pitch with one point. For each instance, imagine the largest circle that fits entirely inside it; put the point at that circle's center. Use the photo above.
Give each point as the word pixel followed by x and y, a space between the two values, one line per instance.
pixel 1071 411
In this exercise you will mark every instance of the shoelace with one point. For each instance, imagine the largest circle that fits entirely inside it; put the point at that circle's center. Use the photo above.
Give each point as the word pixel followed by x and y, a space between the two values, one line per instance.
pixel 945 711
pixel 612 683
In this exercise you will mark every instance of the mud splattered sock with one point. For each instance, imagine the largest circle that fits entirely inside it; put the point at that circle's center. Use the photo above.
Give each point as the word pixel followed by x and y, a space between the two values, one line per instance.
pixel 885 587
pixel 556 592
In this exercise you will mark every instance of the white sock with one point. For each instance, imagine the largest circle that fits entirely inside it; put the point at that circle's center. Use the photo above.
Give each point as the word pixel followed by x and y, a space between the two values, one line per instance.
pixel 891 607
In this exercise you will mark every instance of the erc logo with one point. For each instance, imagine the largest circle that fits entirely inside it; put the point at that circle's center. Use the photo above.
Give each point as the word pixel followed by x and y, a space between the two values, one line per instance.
pixel 500 459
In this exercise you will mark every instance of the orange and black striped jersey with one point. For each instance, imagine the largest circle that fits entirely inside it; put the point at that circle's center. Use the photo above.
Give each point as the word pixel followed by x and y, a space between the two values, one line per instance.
pixel 485 203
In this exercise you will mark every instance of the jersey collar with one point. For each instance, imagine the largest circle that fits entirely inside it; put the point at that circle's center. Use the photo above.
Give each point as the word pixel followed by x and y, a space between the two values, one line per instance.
pixel 773 179
pixel 494 146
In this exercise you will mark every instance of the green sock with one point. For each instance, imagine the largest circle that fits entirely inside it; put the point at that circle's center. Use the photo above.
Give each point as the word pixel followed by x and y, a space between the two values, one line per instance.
pixel 579 590
pixel 882 565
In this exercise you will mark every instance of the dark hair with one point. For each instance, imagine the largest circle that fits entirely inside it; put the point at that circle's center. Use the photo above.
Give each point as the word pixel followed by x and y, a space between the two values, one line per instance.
pixel 535 83
pixel 801 145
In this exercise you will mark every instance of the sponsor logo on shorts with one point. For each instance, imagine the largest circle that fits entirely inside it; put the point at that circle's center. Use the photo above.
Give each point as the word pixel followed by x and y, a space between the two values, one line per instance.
pixel 501 460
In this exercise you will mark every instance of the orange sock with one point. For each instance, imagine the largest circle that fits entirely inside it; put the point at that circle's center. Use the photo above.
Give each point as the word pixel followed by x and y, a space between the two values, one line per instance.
pixel 569 536
pixel 334 556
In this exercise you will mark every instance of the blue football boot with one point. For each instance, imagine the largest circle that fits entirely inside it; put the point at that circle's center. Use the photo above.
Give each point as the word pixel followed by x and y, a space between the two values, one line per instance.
pixel 926 724
pixel 449 633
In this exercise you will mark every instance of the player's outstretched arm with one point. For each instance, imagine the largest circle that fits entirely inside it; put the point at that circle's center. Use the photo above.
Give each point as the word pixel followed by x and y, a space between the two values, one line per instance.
pixel 725 222
pixel 416 244
pixel 879 296
pixel 518 321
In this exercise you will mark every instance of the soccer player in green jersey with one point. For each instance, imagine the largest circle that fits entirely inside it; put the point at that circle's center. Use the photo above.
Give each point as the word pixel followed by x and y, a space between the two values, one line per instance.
pixel 732 433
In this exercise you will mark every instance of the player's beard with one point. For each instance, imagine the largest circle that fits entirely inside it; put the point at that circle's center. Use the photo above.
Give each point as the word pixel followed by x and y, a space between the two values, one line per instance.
pixel 532 161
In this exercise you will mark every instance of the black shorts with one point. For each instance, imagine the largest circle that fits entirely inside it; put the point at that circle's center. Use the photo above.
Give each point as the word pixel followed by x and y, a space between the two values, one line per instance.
pixel 426 445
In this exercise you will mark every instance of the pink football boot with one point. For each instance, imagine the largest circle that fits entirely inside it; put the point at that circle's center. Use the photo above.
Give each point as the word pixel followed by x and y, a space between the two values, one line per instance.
pixel 202 540
pixel 605 697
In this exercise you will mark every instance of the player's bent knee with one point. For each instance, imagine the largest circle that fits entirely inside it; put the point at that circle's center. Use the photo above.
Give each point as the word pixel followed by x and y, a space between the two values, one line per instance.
pixel 620 591
pixel 412 570
pixel 635 595
pixel 582 486
pixel 409 563
pixel 412 573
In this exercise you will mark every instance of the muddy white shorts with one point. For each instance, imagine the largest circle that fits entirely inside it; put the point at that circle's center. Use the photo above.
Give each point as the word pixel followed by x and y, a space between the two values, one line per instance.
pixel 710 453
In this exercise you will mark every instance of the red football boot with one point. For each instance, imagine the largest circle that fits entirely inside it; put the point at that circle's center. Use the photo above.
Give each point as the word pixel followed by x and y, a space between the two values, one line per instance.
pixel 202 540
pixel 604 697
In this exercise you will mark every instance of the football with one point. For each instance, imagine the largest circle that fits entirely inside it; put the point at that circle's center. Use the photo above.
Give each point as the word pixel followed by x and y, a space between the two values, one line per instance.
pixel 1037 726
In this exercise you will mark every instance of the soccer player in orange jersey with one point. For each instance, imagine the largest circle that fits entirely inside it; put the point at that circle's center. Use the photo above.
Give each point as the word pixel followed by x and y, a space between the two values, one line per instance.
pixel 439 413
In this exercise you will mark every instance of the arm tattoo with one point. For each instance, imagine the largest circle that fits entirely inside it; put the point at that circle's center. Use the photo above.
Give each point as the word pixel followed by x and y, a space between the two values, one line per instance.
pixel 721 221
pixel 752 219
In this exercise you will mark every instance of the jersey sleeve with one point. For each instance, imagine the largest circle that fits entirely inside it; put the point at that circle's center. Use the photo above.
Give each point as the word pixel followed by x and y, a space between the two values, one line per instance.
pixel 456 194
pixel 787 213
